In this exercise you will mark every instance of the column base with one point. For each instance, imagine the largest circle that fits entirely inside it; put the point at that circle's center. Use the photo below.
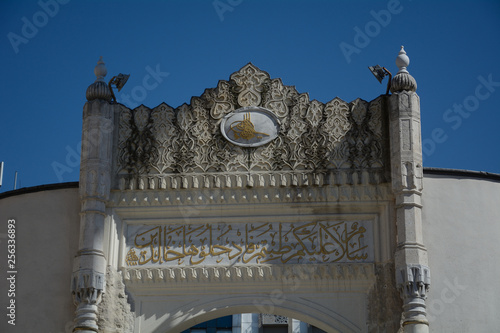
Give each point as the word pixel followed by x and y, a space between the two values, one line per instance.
pixel 86 318
pixel 415 327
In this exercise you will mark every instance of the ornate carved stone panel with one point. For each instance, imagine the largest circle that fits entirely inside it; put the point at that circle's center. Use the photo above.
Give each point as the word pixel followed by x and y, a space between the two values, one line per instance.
pixel 154 146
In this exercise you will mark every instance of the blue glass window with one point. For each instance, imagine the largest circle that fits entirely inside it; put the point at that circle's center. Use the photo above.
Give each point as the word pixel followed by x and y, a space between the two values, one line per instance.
pixel 219 325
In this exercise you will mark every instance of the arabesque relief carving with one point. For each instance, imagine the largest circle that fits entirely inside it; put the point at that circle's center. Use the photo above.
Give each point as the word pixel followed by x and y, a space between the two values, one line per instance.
pixel 337 141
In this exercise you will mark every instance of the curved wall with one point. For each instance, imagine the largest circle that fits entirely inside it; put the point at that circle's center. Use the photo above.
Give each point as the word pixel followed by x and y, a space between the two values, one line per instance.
pixel 47 226
pixel 461 217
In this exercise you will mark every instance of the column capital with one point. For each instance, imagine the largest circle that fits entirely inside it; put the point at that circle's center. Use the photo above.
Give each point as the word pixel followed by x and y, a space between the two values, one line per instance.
pixel 414 282
pixel 87 288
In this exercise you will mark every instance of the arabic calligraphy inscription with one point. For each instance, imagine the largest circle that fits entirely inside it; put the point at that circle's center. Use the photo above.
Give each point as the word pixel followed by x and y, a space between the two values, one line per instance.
pixel 251 243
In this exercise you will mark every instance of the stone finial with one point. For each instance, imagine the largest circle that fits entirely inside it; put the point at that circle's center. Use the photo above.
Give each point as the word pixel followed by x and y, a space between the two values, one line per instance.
pixel 402 61
pixel 100 70
pixel 403 81
pixel 99 89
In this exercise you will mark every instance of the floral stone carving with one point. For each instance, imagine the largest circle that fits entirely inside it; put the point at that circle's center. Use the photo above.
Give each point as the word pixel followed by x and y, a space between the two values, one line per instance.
pixel 164 148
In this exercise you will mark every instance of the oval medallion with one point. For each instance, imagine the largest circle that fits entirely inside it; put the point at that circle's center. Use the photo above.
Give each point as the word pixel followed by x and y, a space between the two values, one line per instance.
pixel 251 126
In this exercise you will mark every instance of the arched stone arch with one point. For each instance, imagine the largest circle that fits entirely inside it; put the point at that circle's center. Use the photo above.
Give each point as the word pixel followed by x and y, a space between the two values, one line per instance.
pixel 299 308
pixel 332 297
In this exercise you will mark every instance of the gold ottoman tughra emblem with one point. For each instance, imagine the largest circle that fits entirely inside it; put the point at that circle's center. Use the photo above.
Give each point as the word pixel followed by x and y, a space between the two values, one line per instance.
pixel 245 129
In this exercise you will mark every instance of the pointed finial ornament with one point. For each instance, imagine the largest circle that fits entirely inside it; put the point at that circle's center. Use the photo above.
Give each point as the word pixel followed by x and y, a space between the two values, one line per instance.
pixel 99 89
pixel 403 81
pixel 402 61
pixel 100 70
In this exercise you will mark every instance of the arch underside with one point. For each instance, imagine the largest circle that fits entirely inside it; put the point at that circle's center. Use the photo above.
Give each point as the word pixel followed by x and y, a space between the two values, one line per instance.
pixel 306 309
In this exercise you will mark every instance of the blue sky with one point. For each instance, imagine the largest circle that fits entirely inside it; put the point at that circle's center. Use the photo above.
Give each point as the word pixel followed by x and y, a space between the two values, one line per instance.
pixel 49 49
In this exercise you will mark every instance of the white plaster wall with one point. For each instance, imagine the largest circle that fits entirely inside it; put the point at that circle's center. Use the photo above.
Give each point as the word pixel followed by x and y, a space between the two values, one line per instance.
pixel 462 233
pixel 47 227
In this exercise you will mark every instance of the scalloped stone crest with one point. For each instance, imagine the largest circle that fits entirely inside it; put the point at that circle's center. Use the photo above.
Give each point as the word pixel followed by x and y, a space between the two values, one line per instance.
pixel 249 131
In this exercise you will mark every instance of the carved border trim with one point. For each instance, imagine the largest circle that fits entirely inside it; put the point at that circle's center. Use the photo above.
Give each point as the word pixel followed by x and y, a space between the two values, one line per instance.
pixel 251 180
pixel 244 196
pixel 256 273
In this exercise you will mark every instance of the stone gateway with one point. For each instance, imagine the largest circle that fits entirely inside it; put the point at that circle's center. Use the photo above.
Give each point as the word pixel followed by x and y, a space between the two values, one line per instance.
pixel 211 208
pixel 255 209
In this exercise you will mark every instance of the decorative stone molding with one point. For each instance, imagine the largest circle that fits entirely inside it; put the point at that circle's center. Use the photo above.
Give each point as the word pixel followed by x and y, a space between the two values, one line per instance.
pixel 253 180
pixel 169 276
pixel 256 195
pixel 164 148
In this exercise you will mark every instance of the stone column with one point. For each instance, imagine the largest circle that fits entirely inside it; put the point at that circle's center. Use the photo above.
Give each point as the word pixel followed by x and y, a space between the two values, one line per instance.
pixel 89 266
pixel 412 272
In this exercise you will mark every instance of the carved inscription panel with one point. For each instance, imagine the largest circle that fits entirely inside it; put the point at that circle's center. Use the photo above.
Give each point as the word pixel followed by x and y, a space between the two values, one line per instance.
pixel 250 243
